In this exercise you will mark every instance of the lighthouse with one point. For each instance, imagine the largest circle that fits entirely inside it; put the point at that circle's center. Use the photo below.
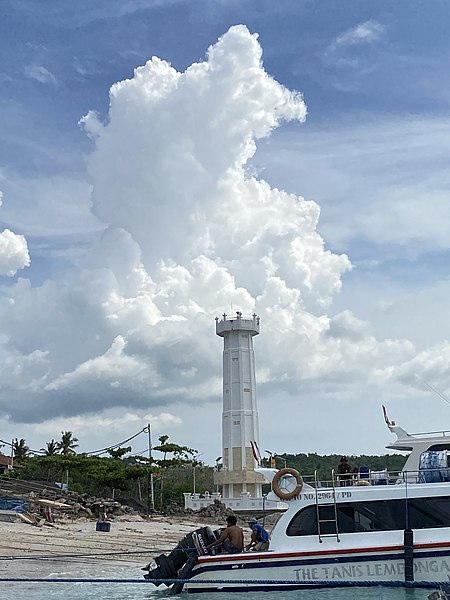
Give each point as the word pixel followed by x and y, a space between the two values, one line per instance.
pixel 240 428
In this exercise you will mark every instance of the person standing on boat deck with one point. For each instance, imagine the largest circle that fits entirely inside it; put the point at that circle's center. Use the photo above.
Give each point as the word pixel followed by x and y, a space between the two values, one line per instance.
pixel 260 537
pixel 345 472
pixel 231 538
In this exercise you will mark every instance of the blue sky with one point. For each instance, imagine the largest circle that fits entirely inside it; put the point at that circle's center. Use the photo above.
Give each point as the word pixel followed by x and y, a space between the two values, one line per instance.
pixel 66 58
pixel 372 154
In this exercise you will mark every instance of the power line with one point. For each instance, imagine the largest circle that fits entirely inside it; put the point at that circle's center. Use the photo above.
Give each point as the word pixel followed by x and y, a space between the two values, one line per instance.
pixel 94 452
pixel 437 391
pixel 103 450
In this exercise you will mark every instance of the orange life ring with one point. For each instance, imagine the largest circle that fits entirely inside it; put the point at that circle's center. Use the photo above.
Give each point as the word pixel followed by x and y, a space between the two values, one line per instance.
pixel 276 483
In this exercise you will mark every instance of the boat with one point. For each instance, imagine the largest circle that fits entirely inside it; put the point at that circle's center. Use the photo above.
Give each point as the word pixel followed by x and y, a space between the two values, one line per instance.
pixel 377 528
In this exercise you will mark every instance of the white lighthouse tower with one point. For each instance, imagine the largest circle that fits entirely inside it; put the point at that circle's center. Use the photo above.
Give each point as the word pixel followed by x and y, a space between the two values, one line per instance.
pixel 240 428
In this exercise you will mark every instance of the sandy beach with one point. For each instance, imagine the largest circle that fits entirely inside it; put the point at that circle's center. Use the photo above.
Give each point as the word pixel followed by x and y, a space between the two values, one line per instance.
pixel 74 548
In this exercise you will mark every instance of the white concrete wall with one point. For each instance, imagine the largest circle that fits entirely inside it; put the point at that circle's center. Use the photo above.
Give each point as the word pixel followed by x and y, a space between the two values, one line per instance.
pixel 244 503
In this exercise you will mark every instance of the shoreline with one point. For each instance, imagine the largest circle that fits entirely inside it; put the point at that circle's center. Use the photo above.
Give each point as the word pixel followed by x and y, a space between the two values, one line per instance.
pixel 61 549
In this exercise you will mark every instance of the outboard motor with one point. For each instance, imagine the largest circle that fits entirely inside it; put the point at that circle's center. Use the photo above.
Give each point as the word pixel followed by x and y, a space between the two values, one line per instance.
pixel 185 554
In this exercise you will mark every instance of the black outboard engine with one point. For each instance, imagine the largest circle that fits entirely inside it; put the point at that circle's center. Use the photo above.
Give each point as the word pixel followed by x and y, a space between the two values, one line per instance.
pixel 184 554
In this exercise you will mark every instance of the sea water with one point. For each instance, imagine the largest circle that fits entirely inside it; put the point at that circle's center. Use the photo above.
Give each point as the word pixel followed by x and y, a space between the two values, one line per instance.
pixel 45 589
pixel 115 591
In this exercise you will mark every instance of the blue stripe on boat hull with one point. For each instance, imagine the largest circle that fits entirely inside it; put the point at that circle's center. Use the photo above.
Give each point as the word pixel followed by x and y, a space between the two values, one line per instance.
pixel 312 586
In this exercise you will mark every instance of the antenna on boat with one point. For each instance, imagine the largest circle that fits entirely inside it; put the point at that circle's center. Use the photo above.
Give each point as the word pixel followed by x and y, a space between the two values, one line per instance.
pixel 389 423
pixel 437 391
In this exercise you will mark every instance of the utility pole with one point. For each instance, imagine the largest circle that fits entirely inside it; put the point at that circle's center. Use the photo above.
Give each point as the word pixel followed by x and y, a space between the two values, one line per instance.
pixel 151 502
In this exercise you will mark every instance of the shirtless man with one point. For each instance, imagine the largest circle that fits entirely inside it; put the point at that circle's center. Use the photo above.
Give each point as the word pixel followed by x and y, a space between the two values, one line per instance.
pixel 231 538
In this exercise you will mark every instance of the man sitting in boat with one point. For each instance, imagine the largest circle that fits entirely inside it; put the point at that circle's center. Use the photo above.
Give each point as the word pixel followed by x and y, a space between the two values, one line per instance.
pixel 259 538
pixel 231 538
pixel 345 472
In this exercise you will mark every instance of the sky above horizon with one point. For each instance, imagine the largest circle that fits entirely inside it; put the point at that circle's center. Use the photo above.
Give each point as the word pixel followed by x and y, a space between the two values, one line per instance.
pixel 165 162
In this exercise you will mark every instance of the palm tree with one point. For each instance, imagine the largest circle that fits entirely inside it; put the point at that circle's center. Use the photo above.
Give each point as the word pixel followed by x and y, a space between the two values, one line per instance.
pixel 67 443
pixel 52 448
pixel 20 450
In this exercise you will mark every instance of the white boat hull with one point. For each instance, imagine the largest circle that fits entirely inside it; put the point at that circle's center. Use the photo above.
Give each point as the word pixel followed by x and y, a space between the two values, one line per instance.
pixel 278 571
pixel 380 528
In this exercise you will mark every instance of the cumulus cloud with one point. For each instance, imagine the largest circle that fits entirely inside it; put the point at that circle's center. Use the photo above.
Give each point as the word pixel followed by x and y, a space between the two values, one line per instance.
pixel 431 365
pixel 188 234
pixel 194 131
pixel 13 253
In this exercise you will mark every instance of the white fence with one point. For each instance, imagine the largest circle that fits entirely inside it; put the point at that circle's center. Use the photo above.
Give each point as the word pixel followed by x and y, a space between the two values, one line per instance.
pixel 244 503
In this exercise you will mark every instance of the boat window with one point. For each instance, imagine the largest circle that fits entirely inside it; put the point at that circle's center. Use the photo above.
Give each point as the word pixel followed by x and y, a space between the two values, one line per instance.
pixel 437 447
pixel 429 512
pixel 376 515
pixel 381 515
pixel 304 522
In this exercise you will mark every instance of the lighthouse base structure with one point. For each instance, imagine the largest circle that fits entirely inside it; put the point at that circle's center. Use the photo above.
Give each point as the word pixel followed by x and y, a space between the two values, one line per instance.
pixel 245 503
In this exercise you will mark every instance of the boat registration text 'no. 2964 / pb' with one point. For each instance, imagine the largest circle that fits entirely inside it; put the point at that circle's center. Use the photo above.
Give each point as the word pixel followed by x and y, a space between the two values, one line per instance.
pixel 325 495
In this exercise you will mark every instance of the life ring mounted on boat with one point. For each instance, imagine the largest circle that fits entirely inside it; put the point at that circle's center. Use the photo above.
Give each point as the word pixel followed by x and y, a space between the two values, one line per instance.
pixel 277 488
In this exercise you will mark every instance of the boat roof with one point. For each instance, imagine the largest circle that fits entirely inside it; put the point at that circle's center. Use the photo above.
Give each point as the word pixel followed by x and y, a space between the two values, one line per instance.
pixel 408 441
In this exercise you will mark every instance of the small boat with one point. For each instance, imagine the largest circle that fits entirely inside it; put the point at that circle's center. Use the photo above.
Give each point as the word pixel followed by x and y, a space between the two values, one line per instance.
pixel 378 528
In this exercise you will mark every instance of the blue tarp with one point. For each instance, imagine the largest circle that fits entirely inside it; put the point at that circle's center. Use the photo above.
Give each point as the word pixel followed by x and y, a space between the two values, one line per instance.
pixel 433 466
pixel 17 504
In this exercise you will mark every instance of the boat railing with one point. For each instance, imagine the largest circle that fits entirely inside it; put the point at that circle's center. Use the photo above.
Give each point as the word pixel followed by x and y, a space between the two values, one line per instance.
pixel 424 434
pixel 379 477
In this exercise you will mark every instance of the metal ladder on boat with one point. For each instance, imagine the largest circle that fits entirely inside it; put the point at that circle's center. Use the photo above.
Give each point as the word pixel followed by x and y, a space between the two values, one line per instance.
pixel 320 507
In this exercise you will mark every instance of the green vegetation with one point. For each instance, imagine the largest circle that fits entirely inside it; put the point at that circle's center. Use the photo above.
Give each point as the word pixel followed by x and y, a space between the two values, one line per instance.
pixel 175 471
pixel 118 475
pixel 20 450
pixel 124 478
pixel 51 448
pixel 67 444
pixel 307 464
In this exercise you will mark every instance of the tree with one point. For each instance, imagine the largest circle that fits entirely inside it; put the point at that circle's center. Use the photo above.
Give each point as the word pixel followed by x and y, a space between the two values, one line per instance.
pixel 118 452
pixel 68 443
pixel 51 449
pixel 20 450
pixel 182 455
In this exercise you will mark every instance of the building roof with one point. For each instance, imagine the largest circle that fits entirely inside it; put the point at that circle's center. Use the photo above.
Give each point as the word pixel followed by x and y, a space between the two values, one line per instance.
pixel 5 460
